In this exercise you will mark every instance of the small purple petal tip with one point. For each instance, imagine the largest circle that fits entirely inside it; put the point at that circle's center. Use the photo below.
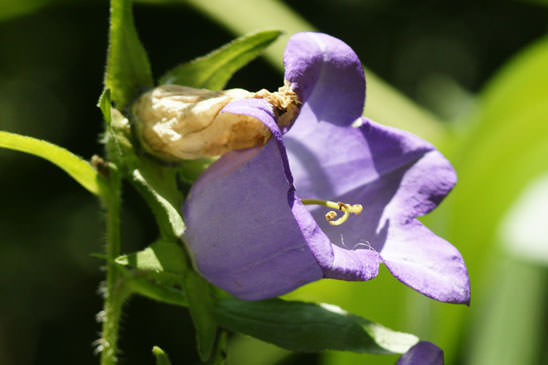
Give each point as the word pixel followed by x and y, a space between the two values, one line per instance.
pixel 423 353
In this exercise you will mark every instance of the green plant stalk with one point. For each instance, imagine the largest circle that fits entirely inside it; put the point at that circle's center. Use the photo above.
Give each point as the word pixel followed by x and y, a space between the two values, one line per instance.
pixel 116 291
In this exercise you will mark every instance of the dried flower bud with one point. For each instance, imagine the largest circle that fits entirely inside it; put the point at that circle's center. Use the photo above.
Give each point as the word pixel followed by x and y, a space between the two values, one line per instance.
pixel 177 122
pixel 285 102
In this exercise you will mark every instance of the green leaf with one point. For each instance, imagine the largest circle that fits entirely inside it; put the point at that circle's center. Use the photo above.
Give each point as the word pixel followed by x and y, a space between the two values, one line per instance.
pixel 201 305
pixel 213 70
pixel 161 356
pixel 218 357
pixel 128 69
pixel 156 290
pixel 310 327
pixel 104 106
pixel 155 271
pixel 79 169
pixel 163 257
pixel 169 220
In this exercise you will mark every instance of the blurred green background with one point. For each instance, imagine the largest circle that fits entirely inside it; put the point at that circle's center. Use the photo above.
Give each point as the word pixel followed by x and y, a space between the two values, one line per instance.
pixel 473 78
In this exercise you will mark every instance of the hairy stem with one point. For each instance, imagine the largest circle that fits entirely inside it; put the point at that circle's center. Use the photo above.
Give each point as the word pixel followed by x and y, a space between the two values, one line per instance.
pixel 115 291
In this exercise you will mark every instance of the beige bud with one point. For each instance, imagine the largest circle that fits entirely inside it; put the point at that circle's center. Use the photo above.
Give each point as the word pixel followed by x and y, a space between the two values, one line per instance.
pixel 177 122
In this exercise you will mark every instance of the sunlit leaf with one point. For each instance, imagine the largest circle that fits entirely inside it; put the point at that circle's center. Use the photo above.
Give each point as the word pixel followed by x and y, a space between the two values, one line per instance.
pixel 310 327
pixel 128 69
pixel 168 217
pixel 161 356
pixel 162 257
pixel 213 70
pixel 104 105
pixel 79 169
pixel 154 271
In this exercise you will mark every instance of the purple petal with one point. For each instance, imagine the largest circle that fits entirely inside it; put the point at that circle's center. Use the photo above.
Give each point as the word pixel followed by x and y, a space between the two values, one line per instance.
pixel 247 232
pixel 329 161
pixel 336 263
pixel 327 76
pixel 256 108
pixel 426 262
pixel 397 177
pixel 241 230
pixel 423 353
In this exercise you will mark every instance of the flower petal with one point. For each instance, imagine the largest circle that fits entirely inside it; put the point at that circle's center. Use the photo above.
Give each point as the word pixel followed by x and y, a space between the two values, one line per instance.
pixel 397 177
pixel 329 161
pixel 327 76
pixel 241 229
pixel 426 263
pixel 247 232
pixel 423 353
pixel 335 262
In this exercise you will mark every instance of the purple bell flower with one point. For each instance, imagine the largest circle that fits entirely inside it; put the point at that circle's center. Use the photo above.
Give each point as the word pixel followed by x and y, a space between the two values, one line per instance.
pixel 247 226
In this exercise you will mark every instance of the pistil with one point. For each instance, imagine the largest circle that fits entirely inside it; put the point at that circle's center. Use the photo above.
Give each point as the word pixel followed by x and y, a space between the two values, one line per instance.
pixel 331 216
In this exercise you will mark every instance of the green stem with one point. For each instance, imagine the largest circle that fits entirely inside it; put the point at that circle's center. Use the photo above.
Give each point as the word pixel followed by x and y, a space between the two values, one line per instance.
pixel 116 292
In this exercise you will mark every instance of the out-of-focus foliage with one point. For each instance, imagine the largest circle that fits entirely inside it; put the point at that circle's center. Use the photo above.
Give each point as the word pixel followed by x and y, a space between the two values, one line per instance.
pixel 499 155
pixel 439 54
pixel 516 286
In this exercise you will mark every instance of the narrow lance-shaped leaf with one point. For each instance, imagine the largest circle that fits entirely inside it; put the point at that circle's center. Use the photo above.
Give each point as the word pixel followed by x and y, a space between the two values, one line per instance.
pixel 201 306
pixel 310 327
pixel 213 70
pixel 79 169
pixel 163 257
pixel 156 290
pixel 156 270
pixel 167 216
pixel 161 356
pixel 104 105
pixel 128 70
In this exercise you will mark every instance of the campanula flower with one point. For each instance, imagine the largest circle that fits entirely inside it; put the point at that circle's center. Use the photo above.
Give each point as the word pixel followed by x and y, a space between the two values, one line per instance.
pixel 257 221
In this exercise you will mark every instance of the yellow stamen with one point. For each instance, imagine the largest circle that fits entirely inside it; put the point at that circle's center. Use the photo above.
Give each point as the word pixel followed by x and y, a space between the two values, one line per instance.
pixel 340 206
